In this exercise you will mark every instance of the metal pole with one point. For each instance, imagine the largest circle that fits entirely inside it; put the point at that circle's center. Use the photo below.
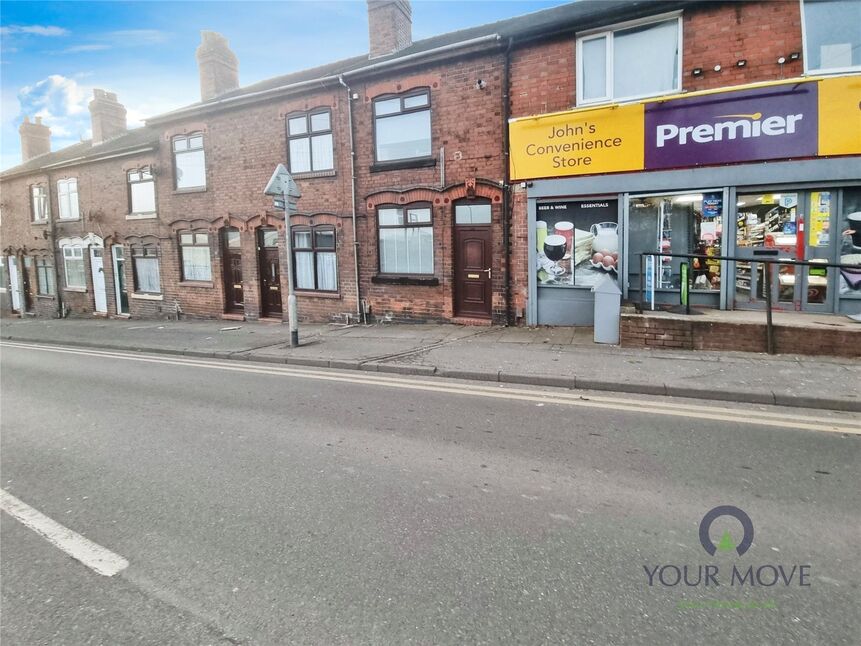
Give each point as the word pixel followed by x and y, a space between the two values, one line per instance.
pixel 292 309
pixel 769 329
pixel 642 282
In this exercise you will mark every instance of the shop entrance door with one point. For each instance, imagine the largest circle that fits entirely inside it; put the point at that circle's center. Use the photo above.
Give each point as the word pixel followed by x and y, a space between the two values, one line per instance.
pixel 270 272
pixel 790 226
pixel 234 301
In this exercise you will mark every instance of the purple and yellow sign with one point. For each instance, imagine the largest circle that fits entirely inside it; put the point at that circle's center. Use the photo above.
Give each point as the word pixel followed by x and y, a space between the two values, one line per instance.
pixel 785 120
pixel 775 122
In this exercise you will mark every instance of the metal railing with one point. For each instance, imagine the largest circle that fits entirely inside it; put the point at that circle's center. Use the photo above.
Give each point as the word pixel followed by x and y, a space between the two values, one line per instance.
pixel 767 256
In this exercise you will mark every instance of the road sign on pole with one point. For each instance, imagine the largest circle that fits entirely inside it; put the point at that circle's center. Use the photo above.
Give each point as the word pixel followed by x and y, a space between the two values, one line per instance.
pixel 286 192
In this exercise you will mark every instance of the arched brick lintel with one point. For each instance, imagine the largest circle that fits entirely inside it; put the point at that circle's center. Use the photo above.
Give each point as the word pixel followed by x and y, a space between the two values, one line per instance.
pixel 437 197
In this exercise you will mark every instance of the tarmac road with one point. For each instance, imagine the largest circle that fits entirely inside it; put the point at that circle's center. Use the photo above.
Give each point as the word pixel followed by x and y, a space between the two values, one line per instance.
pixel 261 504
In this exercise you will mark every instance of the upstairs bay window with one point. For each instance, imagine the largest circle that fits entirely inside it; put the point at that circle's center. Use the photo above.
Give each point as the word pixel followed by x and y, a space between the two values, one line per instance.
pixel 67 199
pixel 189 162
pixel 39 202
pixel 629 62
pixel 402 126
pixel 832 35
pixel 310 143
pixel 141 191
pixel 406 239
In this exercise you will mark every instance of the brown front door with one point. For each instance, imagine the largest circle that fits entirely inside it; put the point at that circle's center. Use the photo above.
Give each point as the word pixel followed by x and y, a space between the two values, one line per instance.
pixel 472 267
pixel 234 301
pixel 270 272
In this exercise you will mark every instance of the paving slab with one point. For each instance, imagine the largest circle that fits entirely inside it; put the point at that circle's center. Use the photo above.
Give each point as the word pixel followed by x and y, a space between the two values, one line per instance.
pixel 564 357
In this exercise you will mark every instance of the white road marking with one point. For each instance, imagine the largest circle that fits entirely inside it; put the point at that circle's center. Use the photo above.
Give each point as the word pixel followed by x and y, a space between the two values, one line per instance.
pixel 99 559
pixel 502 391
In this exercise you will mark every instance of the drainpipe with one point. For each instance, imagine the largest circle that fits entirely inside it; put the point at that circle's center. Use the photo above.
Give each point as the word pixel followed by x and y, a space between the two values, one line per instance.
pixel 506 188
pixel 360 311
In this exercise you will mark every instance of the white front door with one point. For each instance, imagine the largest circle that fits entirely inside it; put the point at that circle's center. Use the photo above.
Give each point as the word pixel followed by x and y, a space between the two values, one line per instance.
pixel 97 264
pixel 15 284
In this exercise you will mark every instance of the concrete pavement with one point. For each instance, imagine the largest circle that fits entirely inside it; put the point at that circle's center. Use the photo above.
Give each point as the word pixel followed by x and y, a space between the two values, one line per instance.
pixel 564 357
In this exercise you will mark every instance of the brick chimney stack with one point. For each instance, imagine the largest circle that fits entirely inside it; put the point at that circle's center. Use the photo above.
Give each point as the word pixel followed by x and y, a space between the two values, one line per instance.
pixel 217 64
pixel 35 138
pixel 390 26
pixel 108 116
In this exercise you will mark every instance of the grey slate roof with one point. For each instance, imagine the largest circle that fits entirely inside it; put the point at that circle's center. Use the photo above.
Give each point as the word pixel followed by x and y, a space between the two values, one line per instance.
pixel 85 151
pixel 579 15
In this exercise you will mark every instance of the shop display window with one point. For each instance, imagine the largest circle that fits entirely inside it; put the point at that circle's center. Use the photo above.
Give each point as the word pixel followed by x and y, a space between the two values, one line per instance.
pixel 690 223
pixel 577 242
pixel 850 244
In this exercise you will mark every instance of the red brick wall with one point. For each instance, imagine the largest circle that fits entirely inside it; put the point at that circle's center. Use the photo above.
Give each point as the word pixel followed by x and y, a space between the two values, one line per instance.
pixel 543 71
pixel 671 333
pixel 758 32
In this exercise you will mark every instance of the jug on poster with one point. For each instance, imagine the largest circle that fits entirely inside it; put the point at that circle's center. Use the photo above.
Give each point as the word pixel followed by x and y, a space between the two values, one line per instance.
pixel 606 238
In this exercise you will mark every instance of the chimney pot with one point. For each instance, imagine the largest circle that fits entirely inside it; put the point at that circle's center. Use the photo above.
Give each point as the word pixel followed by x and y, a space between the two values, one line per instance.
pixel 35 138
pixel 390 26
pixel 108 116
pixel 217 65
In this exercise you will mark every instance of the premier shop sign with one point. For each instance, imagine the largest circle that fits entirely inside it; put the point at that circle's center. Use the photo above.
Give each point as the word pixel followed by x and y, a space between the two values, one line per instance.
pixel 776 122
pixel 786 120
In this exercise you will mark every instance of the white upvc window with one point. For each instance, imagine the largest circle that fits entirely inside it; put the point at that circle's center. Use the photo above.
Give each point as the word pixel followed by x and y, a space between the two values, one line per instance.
pixel 630 61
pixel 67 199
pixel 39 202
pixel 831 35
pixel 73 263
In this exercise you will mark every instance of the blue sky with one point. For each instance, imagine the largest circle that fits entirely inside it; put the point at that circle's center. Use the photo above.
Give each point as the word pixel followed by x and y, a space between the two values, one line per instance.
pixel 52 54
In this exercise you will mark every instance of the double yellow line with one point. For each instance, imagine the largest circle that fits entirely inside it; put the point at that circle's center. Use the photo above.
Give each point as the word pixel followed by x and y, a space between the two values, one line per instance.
pixel 666 407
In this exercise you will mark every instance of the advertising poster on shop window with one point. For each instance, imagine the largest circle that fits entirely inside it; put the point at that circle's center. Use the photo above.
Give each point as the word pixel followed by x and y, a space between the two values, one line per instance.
pixel 577 242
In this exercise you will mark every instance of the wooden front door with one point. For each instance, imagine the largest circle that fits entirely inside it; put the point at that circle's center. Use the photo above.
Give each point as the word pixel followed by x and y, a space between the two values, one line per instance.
pixel 270 272
pixel 473 295
pixel 234 301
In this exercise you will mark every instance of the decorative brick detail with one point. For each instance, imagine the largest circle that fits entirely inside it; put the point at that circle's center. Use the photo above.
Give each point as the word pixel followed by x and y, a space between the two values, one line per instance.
pixel 435 196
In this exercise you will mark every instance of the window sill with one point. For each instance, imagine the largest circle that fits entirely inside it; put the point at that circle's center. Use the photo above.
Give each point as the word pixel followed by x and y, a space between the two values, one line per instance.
pixel 77 290
pixel 400 164
pixel 384 279
pixel 310 293
pixel 38 221
pixel 197 283
pixel 186 191
pixel 68 220
pixel 313 174
pixel 147 297
pixel 142 216
pixel 45 297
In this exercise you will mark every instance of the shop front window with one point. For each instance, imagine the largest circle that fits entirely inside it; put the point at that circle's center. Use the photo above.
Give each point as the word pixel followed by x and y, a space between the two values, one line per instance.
pixel 690 223
pixel 577 242
pixel 850 244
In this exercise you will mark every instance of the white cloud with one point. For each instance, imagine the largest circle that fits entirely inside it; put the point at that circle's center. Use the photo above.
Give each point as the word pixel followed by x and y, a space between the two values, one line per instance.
pixel 75 49
pixel 61 103
pixel 34 30
pixel 134 37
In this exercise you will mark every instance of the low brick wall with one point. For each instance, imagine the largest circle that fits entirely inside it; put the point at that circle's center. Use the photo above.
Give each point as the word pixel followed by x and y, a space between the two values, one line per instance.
pixel 639 331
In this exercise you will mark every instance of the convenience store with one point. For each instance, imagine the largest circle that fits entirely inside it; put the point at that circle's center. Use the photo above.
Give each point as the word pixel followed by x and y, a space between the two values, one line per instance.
pixel 766 170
